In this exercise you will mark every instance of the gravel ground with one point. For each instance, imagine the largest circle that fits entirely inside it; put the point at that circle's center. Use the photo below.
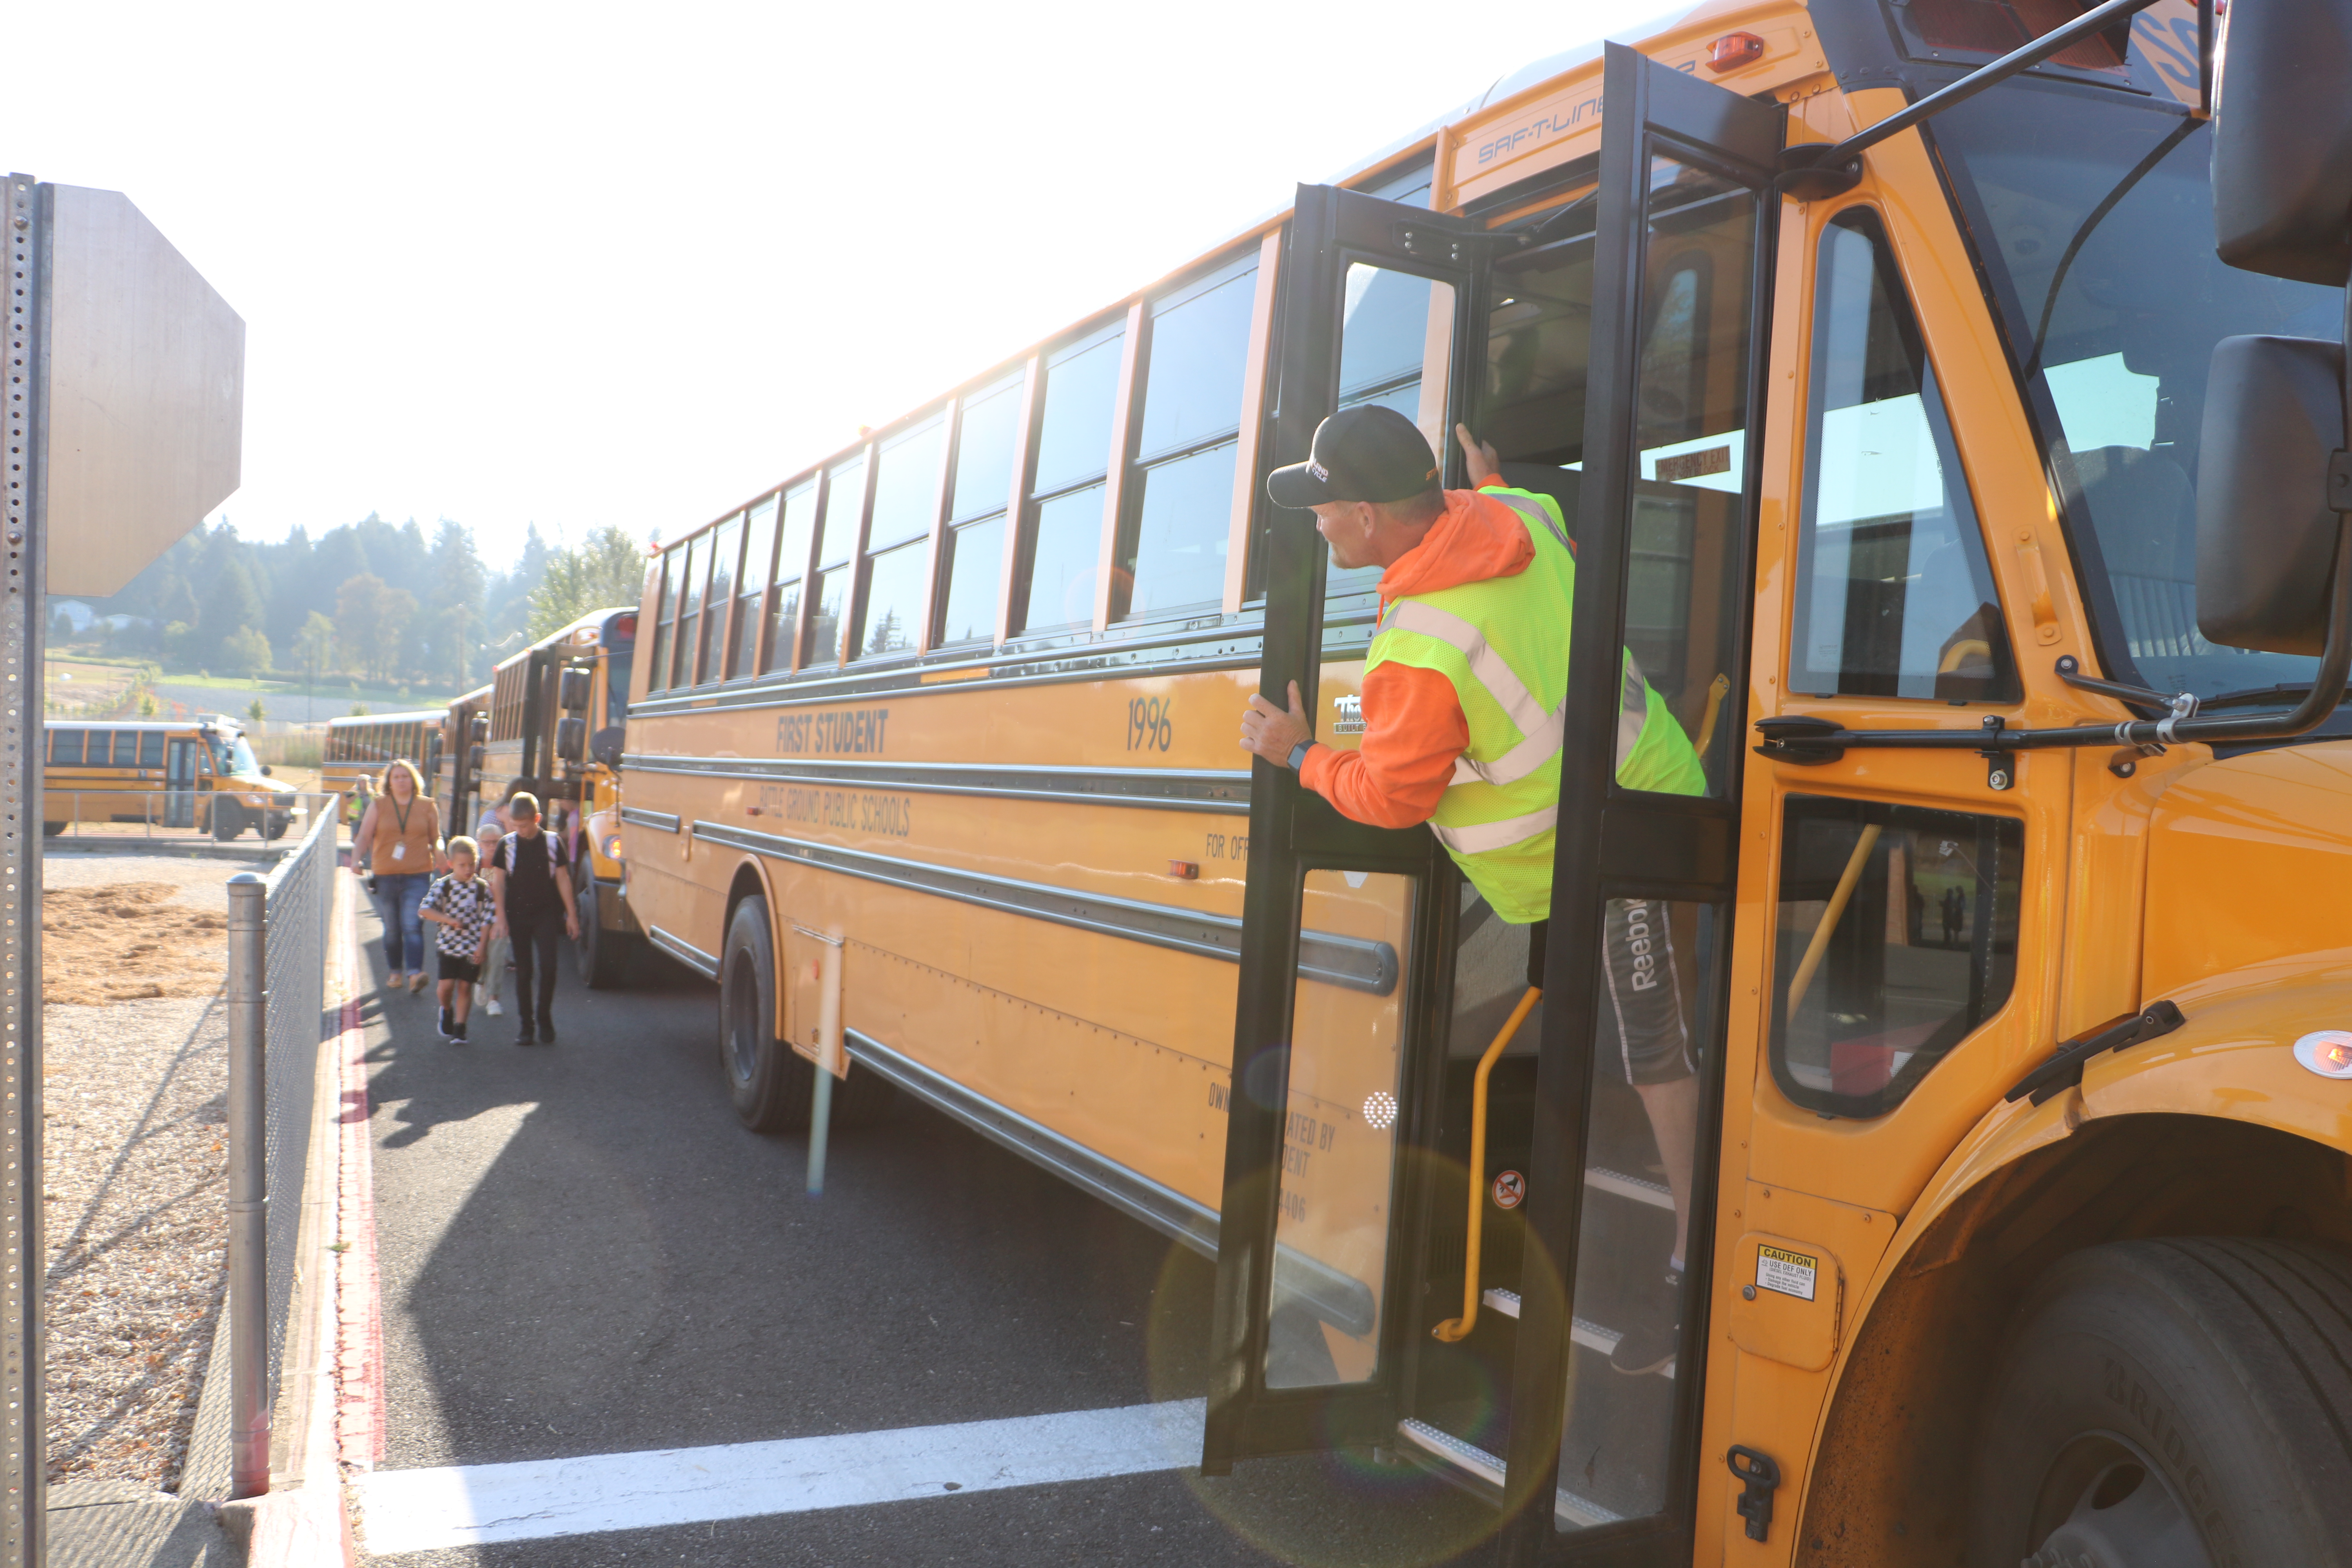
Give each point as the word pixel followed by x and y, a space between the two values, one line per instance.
pixel 135 1179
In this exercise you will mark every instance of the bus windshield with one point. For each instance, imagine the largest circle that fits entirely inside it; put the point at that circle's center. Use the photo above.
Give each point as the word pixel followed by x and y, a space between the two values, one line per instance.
pixel 233 755
pixel 616 681
pixel 2096 221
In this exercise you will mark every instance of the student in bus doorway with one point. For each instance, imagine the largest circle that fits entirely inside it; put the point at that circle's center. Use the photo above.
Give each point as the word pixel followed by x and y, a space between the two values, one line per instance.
pixel 1463 690
pixel 462 905
pixel 531 876
pixel 399 841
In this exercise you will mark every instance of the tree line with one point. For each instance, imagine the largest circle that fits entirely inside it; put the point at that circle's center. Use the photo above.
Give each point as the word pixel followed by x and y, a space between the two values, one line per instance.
pixel 372 600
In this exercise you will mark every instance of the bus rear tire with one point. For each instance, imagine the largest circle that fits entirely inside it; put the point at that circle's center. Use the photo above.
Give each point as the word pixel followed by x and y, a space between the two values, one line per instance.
pixel 605 957
pixel 2175 1403
pixel 277 827
pixel 228 820
pixel 768 1082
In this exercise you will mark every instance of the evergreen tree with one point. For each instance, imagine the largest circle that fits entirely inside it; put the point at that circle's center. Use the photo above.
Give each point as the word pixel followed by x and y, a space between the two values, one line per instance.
pixel 453 609
pixel 230 607
pixel 606 572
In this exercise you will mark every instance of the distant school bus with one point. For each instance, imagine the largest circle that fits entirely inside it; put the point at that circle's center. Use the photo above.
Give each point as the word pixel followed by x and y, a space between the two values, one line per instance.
pixel 362 745
pixel 557 713
pixel 464 729
pixel 1979 1034
pixel 169 773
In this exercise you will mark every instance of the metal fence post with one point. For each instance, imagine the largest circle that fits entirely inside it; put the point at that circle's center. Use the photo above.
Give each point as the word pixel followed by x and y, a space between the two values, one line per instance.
pixel 248 1188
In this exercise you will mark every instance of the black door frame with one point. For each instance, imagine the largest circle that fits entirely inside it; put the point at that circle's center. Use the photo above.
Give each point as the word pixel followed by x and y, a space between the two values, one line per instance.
pixel 1614 843
pixel 1291 829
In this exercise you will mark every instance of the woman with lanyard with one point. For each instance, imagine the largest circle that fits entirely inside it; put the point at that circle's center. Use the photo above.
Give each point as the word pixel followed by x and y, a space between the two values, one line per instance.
pixel 399 841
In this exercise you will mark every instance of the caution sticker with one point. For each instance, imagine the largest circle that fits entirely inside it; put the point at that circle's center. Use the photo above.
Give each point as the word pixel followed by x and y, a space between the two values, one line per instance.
pixel 1510 1190
pixel 1789 1273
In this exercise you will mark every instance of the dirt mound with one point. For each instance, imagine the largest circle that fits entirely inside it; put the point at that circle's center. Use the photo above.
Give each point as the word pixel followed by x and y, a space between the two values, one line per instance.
pixel 127 941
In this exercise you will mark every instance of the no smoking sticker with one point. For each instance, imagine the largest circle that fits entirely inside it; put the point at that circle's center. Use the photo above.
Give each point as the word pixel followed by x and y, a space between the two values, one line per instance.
pixel 1789 1273
pixel 1509 1189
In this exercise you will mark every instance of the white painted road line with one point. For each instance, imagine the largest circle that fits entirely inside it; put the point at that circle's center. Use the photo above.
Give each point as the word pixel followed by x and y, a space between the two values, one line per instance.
pixel 468 1505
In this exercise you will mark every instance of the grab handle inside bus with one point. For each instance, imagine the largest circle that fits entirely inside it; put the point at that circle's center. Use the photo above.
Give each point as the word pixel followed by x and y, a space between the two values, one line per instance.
pixel 1454 1329
pixel 1803 979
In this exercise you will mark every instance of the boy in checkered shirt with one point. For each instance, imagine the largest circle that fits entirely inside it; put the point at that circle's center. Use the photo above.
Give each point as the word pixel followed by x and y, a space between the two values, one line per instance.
pixel 461 905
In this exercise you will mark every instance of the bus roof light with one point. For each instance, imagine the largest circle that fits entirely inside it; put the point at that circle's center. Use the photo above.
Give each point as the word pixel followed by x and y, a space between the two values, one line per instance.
pixel 1733 50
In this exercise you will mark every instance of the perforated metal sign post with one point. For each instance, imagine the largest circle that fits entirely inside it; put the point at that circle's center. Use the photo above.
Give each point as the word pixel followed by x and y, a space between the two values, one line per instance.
pixel 108 323
pixel 21 1448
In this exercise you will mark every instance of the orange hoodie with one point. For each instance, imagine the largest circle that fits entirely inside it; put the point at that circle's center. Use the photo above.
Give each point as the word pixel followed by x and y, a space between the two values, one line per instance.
pixel 1414 726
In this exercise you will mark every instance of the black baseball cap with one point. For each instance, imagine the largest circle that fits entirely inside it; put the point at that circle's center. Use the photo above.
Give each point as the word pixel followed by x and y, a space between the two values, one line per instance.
pixel 1366 453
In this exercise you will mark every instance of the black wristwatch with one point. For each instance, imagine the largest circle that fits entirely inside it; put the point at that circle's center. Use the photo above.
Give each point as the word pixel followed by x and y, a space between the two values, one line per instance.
pixel 1297 758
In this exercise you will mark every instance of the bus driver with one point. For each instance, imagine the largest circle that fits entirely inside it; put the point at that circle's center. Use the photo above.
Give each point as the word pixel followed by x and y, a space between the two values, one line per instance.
pixel 1464 689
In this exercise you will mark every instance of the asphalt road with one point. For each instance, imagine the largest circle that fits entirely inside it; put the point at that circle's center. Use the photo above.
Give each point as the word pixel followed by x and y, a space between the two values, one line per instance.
pixel 583 1252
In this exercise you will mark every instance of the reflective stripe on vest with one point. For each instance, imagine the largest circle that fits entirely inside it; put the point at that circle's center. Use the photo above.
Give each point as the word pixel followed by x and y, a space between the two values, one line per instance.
pixel 1509 772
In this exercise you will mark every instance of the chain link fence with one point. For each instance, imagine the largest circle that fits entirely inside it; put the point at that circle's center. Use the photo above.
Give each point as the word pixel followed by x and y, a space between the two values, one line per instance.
pixel 290 971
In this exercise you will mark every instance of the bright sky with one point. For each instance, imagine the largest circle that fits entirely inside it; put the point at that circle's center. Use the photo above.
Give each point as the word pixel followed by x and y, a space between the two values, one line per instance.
pixel 581 265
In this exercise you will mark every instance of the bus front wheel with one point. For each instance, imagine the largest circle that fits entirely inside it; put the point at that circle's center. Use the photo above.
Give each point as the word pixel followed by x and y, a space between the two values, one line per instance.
pixel 2173 1404
pixel 769 1083
pixel 604 956
pixel 228 820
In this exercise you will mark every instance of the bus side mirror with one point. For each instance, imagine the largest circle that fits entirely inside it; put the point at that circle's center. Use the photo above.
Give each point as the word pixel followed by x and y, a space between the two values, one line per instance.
pixel 572 737
pixel 2265 531
pixel 2283 140
pixel 474 761
pixel 605 746
pixel 479 730
pixel 571 692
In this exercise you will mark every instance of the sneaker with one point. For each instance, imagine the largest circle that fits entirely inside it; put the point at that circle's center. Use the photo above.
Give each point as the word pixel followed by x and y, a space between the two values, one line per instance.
pixel 492 1008
pixel 448 1025
pixel 1655 1327
pixel 547 1031
pixel 523 1037
pixel 460 1036
pixel 417 982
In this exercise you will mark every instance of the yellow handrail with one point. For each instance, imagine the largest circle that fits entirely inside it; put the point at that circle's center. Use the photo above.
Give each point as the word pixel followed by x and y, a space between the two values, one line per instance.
pixel 1803 979
pixel 1459 1328
pixel 1715 694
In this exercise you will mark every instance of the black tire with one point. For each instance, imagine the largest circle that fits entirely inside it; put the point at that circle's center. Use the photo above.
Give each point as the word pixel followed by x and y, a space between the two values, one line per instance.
pixel 51 829
pixel 228 820
pixel 605 957
pixel 769 1083
pixel 277 827
pixel 2173 1404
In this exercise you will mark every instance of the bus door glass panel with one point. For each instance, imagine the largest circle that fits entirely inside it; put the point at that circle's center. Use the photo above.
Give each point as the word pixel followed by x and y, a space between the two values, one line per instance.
pixel 1896 937
pixel 1895 598
pixel 1396 340
pixel 1336 1191
pixel 1603 1401
pixel 1333 1060
pixel 180 781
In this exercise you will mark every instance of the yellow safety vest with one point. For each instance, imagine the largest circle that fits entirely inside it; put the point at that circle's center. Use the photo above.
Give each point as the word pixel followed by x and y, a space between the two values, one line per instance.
pixel 1503 643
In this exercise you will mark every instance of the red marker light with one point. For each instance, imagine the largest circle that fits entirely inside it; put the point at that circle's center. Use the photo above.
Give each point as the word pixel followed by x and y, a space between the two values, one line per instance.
pixel 1733 50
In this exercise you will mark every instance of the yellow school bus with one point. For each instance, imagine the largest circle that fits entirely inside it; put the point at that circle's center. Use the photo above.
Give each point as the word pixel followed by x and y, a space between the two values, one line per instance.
pixel 196 775
pixel 464 727
pixel 1930 1145
pixel 558 711
pixel 362 745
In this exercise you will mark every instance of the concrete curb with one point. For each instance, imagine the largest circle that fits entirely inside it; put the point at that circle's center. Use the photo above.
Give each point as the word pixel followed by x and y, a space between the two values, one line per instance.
pixel 301 1520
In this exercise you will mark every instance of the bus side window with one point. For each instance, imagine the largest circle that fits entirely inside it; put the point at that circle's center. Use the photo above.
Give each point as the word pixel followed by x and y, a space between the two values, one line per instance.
pixel 1894 597
pixel 973 566
pixel 836 560
pixel 126 749
pixel 689 610
pixel 726 561
pixel 1066 494
pixel 744 624
pixel 792 563
pixel 65 747
pixel 1180 496
pixel 899 541
pixel 665 625
pixel 151 748
pixel 1870 993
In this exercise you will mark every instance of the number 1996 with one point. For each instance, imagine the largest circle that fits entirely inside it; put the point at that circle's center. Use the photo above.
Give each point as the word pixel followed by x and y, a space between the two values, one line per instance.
pixel 1150 724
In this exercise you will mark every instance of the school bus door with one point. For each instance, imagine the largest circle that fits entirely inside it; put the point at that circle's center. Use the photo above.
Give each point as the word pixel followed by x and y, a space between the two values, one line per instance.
pixel 1589 1458
pixel 180 762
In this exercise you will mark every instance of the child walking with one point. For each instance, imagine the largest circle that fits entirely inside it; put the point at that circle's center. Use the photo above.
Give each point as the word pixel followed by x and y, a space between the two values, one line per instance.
pixel 461 904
